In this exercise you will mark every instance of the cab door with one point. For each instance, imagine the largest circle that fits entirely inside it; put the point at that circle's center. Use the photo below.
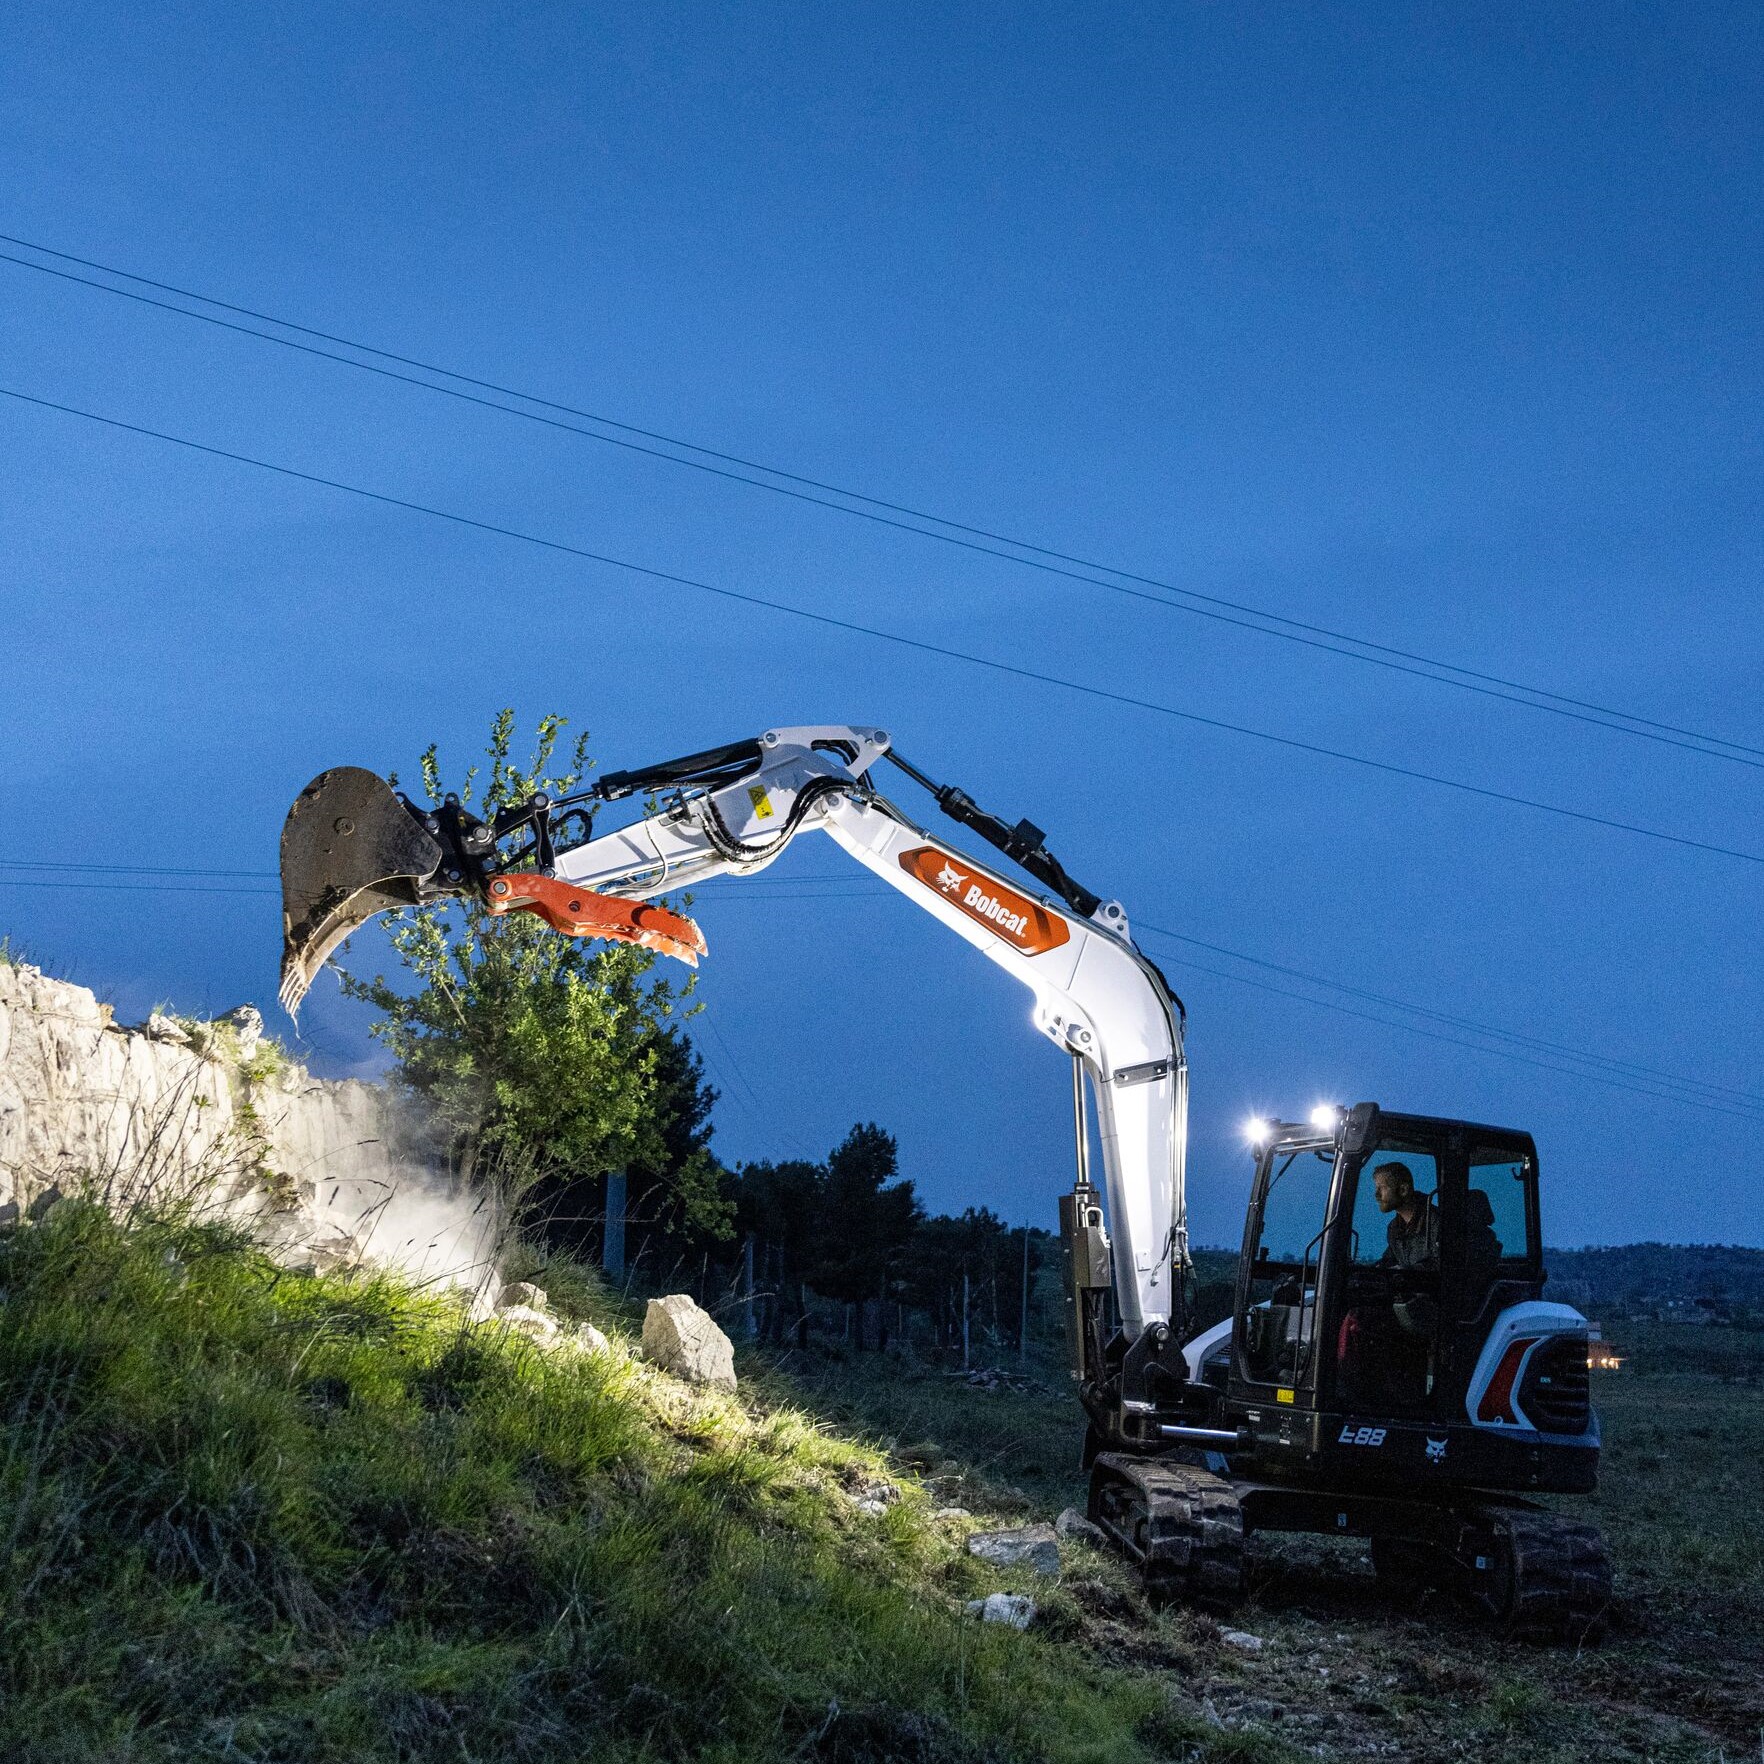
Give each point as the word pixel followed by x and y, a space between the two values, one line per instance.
pixel 1282 1277
pixel 1386 1352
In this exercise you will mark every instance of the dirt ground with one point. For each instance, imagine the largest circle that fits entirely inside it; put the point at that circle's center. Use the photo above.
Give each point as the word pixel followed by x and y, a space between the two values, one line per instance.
pixel 1344 1669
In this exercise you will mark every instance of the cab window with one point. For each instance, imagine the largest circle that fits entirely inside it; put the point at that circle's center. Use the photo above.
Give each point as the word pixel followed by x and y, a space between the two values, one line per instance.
pixel 1497 1221
pixel 1297 1203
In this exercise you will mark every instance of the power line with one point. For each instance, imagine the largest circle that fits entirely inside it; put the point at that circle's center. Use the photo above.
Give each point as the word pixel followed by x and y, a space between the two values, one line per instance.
pixel 1501 1053
pixel 1718 1098
pixel 1718 1092
pixel 131 869
pixel 136 887
pixel 904 517
pixel 967 657
pixel 272 876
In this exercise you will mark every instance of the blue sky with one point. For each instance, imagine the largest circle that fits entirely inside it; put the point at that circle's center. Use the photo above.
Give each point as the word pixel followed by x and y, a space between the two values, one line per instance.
pixel 1435 325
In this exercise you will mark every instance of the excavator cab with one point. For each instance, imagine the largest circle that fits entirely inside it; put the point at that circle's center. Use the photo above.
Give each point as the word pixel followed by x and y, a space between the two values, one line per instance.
pixel 1392 1372
pixel 1390 1317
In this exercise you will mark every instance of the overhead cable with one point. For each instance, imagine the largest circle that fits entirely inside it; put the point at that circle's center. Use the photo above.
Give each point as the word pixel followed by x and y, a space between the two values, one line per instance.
pixel 1502 1053
pixel 1719 1097
pixel 966 657
pixel 900 516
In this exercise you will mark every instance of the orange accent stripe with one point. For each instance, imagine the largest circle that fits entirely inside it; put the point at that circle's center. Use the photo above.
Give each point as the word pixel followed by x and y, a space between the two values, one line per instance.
pixel 1025 924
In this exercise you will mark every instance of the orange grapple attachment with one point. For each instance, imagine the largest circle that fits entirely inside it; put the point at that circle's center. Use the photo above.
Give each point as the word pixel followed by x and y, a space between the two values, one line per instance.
pixel 580 912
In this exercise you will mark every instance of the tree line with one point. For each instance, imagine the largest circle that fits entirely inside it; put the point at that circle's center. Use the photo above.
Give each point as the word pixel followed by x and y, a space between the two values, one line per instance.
pixel 851 1229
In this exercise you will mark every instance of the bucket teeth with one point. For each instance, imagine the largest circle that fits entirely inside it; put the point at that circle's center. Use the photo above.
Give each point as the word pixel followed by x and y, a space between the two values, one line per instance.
pixel 350 849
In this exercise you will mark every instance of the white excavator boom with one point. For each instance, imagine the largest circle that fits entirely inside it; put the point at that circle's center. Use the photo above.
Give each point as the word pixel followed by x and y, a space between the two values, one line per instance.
pixel 352 848
pixel 1095 996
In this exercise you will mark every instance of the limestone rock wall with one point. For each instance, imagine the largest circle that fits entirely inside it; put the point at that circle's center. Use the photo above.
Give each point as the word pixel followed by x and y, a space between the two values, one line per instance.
pixel 212 1116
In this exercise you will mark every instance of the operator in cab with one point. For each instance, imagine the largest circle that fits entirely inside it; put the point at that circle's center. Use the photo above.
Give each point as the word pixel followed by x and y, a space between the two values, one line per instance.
pixel 1412 1237
pixel 1411 1241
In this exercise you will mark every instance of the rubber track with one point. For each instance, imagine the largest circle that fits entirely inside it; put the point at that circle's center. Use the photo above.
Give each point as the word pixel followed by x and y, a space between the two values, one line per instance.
pixel 1191 1543
pixel 1560 1587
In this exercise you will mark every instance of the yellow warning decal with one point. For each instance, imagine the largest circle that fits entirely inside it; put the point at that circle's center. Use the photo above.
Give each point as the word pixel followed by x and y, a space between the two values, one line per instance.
pixel 1283 1396
pixel 762 803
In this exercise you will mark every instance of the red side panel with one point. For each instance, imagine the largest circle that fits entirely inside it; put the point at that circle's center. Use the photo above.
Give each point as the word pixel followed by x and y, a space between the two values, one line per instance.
pixel 1497 1400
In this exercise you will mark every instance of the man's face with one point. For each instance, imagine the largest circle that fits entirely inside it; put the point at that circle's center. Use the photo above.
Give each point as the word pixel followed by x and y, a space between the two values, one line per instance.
pixel 1389 1190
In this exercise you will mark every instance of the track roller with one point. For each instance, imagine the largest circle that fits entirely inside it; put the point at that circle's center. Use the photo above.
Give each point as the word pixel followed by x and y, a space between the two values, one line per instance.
pixel 1182 1527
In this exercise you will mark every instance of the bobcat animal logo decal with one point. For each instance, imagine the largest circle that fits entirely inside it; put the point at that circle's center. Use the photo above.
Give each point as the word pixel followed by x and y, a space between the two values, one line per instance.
pixel 1023 923
pixel 1436 1450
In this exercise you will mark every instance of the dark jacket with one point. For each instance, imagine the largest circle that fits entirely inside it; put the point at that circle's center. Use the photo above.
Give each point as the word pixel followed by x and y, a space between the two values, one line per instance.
pixel 1413 1246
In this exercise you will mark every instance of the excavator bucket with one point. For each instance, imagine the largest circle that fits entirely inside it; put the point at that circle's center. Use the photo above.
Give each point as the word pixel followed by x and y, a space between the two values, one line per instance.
pixel 350 849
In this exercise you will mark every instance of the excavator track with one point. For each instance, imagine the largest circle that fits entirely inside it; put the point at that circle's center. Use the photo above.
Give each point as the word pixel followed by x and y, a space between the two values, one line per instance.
pixel 1551 1577
pixel 1182 1527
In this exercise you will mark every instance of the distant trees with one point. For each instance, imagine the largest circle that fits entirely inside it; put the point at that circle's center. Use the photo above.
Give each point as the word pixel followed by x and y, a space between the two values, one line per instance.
pixel 972 1267
pixel 853 1230
pixel 839 1227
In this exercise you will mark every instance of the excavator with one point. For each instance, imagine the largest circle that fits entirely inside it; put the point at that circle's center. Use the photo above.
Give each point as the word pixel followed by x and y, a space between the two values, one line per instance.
pixel 1390 1371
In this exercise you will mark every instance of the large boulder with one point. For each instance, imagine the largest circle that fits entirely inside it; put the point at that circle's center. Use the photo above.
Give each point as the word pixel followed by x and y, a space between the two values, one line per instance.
pixel 524 1320
pixel 681 1337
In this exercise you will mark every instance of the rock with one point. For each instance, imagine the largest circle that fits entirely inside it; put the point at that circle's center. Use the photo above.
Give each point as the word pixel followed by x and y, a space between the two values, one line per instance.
pixel 522 1292
pixel 1033 1546
pixel 1209 1714
pixel 874 1496
pixel 952 1513
pixel 1072 1524
pixel 326 1250
pixel 1016 1609
pixel 287 1158
pixel 589 1339
pixel 1243 1640
pixel 528 1321
pixel 681 1337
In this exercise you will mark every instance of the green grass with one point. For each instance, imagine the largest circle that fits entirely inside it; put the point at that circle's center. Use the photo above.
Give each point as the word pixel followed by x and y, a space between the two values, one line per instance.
pixel 260 1516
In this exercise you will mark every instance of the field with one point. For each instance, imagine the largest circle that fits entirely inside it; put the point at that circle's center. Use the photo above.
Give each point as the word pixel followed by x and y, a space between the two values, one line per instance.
pixel 1344 1671
pixel 282 1519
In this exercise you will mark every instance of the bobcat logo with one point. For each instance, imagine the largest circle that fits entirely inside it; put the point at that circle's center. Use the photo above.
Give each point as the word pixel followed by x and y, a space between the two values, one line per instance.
pixel 1436 1450
pixel 949 879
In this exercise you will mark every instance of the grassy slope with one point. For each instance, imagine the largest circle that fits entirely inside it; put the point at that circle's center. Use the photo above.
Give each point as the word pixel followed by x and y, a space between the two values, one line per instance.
pixel 250 1515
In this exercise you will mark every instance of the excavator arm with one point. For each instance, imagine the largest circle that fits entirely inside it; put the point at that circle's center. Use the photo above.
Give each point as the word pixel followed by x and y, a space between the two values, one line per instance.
pixel 732 812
